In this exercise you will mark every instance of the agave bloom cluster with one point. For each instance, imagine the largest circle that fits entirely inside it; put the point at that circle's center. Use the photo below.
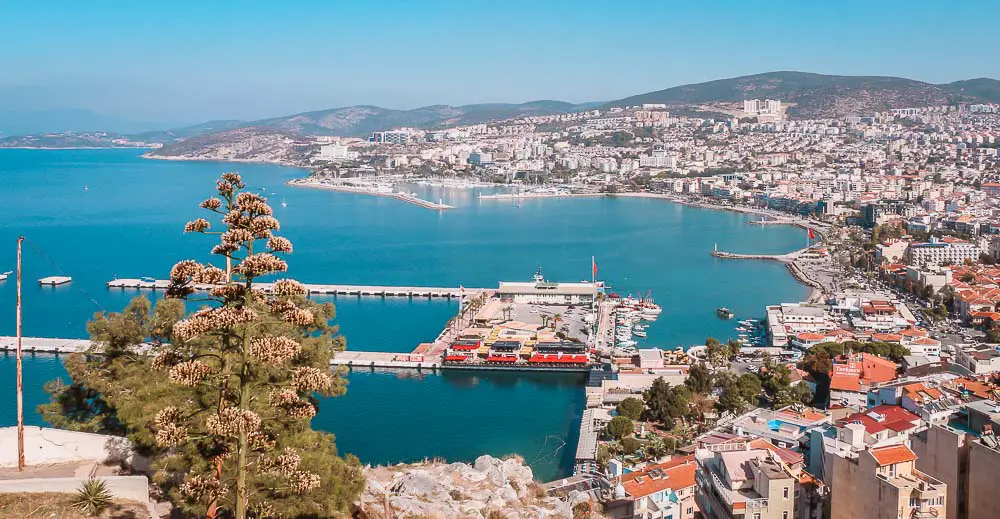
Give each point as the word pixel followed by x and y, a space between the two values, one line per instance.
pixel 286 465
pixel 239 347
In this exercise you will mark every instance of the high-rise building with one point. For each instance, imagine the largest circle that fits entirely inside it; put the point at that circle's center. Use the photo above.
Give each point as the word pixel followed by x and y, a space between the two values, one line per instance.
pixel 877 478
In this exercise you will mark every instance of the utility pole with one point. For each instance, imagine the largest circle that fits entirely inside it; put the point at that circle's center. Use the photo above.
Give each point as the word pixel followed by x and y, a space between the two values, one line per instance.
pixel 20 385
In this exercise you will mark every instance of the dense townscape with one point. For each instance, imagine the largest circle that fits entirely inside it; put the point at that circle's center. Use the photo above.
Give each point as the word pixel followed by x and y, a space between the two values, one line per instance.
pixel 876 396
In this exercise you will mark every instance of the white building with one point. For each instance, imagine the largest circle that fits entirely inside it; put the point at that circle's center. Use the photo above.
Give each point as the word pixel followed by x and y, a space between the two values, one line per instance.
pixel 547 292
pixel 937 252
pixel 335 151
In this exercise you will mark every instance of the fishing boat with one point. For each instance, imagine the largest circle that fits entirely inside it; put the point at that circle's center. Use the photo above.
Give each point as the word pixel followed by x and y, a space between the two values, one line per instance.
pixel 724 313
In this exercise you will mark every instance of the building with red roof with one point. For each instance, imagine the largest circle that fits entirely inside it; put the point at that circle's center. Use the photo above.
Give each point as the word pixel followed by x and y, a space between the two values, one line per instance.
pixel 658 490
pixel 852 376
pixel 884 422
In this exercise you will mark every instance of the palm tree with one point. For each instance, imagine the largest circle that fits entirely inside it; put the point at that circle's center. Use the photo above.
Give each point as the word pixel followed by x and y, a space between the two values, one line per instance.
pixel 555 320
pixel 545 321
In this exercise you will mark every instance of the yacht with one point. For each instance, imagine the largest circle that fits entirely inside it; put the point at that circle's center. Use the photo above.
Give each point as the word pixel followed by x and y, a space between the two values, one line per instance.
pixel 639 333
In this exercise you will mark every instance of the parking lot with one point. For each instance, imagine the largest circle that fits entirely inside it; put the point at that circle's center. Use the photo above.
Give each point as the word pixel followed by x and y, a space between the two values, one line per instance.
pixel 571 318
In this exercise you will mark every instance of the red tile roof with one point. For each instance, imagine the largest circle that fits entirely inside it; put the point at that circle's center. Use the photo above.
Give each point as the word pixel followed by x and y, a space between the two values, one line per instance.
pixel 884 417
pixel 893 454
pixel 675 474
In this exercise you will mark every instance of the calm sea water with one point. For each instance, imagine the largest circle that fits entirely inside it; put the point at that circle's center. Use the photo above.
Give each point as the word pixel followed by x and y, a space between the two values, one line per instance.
pixel 97 214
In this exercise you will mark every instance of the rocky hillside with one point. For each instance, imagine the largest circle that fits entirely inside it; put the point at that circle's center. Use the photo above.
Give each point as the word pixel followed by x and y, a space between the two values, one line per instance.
pixel 360 121
pixel 814 95
pixel 984 88
pixel 490 488
pixel 254 144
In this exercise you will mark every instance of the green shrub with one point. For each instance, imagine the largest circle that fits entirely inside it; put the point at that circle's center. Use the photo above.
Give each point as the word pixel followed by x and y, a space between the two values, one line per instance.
pixel 93 497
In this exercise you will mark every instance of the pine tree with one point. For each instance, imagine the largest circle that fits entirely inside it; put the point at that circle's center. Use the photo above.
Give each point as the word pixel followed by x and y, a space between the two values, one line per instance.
pixel 222 398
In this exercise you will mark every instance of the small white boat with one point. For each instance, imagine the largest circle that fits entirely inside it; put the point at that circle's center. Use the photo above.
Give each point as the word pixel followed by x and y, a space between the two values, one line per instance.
pixel 283 203
pixel 3 277
pixel 639 333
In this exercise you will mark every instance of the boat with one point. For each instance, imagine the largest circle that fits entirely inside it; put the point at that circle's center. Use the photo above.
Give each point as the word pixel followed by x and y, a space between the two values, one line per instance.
pixel 283 203
pixel 724 313
pixel 639 333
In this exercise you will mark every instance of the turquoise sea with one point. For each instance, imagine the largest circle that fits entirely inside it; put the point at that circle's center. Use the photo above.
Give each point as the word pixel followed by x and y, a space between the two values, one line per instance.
pixel 97 214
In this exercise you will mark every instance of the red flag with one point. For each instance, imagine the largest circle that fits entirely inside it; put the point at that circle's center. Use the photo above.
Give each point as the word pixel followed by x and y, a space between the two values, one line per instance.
pixel 812 236
pixel 594 263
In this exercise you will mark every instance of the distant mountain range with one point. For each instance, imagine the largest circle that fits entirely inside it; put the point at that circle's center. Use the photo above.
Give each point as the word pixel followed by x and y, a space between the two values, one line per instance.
pixel 358 121
pixel 820 95
pixel 27 122
pixel 808 96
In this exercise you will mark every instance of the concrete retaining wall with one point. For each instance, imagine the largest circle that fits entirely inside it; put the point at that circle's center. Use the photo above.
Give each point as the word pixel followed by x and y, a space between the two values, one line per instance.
pixel 44 446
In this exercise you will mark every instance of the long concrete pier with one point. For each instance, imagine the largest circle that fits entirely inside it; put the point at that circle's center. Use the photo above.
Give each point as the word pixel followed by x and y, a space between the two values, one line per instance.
pixel 45 345
pixel 404 197
pixel 784 258
pixel 375 359
pixel 336 290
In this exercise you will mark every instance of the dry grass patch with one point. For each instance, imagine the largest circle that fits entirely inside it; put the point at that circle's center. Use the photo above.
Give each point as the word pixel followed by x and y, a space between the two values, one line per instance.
pixel 51 505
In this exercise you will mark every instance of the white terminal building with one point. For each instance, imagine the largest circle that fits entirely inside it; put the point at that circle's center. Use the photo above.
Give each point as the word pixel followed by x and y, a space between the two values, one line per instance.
pixel 541 291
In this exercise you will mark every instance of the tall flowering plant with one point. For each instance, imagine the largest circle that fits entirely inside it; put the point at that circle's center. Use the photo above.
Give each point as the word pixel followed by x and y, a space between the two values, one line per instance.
pixel 252 360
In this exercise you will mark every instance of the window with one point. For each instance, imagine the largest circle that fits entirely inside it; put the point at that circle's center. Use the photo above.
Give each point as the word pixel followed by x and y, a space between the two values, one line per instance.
pixel 756 516
pixel 690 510
pixel 784 493
pixel 914 502
pixel 784 515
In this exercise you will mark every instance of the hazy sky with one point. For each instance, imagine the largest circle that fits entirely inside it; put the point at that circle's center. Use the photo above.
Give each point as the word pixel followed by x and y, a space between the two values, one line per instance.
pixel 192 61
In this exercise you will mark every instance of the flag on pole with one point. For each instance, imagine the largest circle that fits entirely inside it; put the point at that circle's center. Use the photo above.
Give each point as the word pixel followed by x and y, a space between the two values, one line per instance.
pixel 594 264
pixel 812 236
pixel 461 291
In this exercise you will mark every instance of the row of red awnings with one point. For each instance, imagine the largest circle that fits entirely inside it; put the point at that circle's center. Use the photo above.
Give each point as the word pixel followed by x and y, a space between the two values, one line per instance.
pixel 456 358
pixel 497 358
pixel 556 358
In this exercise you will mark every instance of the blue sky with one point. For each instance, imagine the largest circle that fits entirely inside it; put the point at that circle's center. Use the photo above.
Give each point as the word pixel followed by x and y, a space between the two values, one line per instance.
pixel 191 61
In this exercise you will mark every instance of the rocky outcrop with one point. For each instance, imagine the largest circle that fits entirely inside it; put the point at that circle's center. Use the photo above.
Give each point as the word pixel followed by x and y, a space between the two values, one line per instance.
pixel 242 144
pixel 491 488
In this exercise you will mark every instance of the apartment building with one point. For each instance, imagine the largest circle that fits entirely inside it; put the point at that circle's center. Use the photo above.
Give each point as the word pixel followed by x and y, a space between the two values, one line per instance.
pixel 751 484
pixel 878 481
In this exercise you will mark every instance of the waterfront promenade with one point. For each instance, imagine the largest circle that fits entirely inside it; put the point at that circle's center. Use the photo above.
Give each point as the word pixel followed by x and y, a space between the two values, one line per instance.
pixel 336 290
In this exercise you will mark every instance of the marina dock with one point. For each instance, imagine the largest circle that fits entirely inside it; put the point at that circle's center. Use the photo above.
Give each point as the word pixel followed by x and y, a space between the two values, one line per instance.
pixel 335 290
pixel 55 280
